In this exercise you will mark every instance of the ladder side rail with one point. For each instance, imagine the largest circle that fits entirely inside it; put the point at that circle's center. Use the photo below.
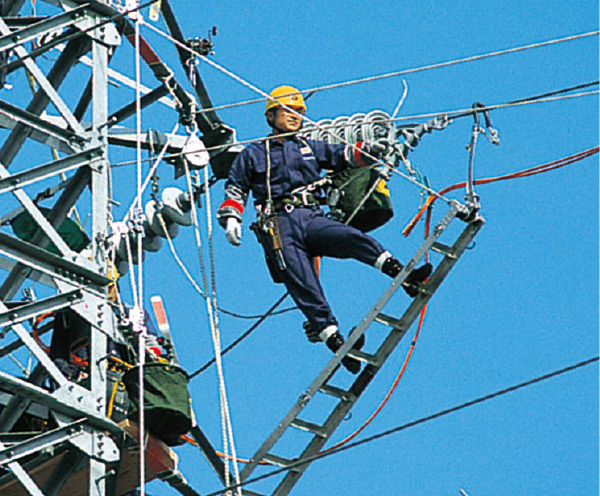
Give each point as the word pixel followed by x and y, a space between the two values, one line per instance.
pixel 423 297
pixel 324 376
pixel 385 350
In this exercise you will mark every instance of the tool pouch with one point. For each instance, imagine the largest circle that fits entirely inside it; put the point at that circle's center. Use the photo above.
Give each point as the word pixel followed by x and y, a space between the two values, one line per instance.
pixel 349 189
pixel 270 243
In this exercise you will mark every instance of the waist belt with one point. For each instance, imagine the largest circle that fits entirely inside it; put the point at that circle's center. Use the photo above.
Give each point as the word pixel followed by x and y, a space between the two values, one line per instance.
pixel 300 200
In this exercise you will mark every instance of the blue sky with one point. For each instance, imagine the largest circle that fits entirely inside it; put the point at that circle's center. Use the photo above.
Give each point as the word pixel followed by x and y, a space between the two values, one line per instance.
pixel 523 302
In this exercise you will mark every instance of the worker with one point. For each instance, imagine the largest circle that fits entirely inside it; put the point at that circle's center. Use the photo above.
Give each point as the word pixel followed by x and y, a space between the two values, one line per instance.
pixel 281 172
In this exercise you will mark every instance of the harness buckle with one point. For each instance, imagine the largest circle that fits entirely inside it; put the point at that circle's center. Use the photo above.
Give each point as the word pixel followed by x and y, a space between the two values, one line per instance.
pixel 289 208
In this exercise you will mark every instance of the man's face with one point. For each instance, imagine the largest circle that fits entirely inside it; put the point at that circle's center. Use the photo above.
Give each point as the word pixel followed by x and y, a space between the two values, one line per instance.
pixel 286 121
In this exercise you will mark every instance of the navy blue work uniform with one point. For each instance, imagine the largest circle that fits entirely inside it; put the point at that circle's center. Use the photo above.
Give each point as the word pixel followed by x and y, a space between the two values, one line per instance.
pixel 305 230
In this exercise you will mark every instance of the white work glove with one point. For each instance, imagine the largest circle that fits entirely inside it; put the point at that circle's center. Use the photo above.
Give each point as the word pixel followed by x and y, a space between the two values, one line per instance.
pixel 233 231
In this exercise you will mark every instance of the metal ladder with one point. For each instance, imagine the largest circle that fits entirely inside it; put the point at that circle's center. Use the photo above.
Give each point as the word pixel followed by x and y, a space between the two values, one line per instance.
pixel 398 327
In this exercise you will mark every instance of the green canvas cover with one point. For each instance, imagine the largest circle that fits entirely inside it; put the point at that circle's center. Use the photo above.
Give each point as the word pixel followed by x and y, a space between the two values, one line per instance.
pixel 167 410
pixel 25 228
pixel 354 184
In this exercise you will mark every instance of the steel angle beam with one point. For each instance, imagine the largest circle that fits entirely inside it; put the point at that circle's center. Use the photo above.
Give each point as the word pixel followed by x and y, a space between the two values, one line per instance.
pixel 24 478
pixel 69 196
pixel 15 345
pixel 208 121
pixel 37 134
pixel 40 219
pixel 37 351
pixel 17 405
pixel 209 452
pixel 29 33
pixel 69 57
pixel 44 261
pixel 31 310
pixel 71 462
pixel 31 122
pixel 117 77
pixel 66 402
pixel 128 138
pixel 42 172
pixel 37 443
pixel 56 41
pixel 35 276
pixel 129 110
pixel 11 7
pixel 46 86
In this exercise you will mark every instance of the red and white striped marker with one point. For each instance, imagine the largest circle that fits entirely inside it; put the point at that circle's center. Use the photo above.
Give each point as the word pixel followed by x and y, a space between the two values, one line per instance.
pixel 160 314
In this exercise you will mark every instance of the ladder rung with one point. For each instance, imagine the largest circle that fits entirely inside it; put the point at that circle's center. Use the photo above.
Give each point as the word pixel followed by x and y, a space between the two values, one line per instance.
pixel 364 357
pixel 315 429
pixel 277 460
pixel 390 321
pixel 342 394
pixel 443 249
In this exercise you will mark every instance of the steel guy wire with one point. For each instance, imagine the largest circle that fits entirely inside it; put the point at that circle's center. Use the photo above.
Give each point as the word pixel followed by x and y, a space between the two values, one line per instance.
pixel 414 423
pixel 452 114
pixel 244 82
pixel 439 65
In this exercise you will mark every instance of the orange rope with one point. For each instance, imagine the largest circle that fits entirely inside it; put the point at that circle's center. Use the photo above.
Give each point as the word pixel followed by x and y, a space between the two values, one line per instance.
pixel 402 369
pixel 189 440
pixel 524 173
pixel 390 392
pixel 34 331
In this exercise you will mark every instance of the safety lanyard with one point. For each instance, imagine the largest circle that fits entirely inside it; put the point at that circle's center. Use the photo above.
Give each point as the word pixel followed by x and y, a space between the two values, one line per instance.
pixel 269 205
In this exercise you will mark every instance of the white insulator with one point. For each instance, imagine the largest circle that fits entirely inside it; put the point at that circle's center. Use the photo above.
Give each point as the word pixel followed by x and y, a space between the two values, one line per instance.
pixel 321 133
pixel 155 225
pixel 174 202
pixel 353 132
pixel 338 130
pixel 151 242
pixel 377 125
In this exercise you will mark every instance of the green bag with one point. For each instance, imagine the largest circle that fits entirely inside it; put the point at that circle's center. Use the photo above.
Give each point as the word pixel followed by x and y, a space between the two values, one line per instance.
pixel 352 186
pixel 167 409
pixel 25 228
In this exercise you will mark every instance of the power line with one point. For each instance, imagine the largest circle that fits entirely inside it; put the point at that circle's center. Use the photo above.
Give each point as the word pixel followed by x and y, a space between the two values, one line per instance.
pixel 453 114
pixel 414 423
pixel 439 65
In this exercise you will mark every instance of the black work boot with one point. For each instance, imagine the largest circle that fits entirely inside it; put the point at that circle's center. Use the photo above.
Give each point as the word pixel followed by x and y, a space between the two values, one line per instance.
pixel 311 334
pixel 336 341
pixel 392 267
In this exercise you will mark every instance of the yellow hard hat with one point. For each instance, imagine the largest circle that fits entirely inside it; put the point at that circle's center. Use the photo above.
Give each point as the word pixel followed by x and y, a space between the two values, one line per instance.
pixel 288 96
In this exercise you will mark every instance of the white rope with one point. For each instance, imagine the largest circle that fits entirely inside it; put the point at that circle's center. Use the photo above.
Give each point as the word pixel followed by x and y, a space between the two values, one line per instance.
pixel 157 160
pixel 211 306
pixel 140 302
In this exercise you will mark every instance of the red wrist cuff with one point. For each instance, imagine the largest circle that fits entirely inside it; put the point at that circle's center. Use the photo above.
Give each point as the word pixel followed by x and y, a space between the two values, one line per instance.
pixel 233 204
